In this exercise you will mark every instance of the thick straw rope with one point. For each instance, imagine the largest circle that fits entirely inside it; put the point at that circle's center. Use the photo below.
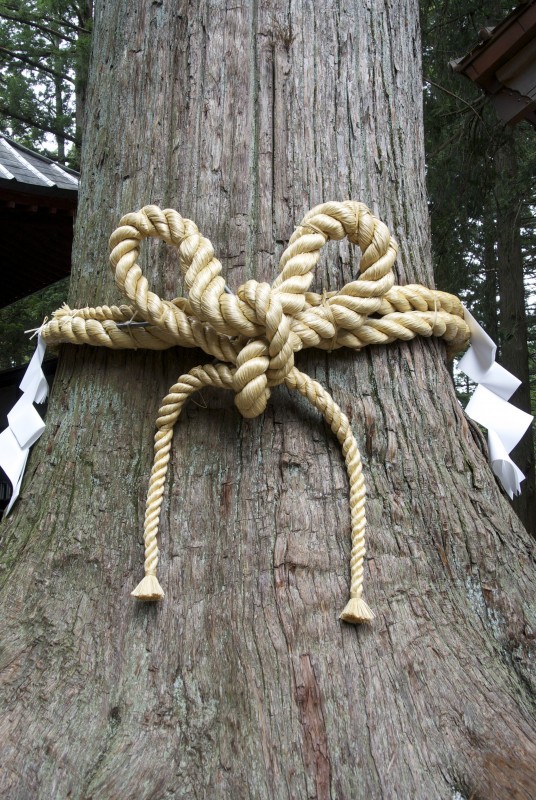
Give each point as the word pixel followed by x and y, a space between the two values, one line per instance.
pixel 255 333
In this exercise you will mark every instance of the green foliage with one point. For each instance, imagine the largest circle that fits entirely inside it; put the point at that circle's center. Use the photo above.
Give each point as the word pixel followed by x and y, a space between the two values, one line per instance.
pixel 44 56
pixel 16 348
pixel 466 147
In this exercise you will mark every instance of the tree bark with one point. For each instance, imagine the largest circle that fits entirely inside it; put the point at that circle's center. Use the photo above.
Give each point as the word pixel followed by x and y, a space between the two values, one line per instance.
pixel 242 682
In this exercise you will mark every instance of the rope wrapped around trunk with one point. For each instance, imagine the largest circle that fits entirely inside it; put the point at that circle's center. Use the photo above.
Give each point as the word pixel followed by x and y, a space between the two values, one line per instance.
pixel 255 333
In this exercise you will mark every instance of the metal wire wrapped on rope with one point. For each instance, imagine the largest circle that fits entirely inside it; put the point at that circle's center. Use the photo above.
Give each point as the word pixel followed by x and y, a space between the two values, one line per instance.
pixel 255 333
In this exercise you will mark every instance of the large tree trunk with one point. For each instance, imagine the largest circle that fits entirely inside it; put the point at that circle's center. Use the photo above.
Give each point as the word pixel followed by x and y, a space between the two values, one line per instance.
pixel 242 682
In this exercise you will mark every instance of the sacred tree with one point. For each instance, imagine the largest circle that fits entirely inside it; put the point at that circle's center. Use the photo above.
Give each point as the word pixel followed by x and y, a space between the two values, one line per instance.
pixel 242 681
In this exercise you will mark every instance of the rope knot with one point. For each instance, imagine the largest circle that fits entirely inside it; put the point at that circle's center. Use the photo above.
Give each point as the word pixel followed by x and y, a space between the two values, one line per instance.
pixel 267 360
pixel 255 333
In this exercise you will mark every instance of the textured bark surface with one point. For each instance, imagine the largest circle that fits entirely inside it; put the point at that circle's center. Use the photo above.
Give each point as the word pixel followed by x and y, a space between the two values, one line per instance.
pixel 242 683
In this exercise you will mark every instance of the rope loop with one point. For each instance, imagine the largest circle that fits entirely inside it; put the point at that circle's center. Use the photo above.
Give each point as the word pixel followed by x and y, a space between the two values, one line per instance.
pixel 255 333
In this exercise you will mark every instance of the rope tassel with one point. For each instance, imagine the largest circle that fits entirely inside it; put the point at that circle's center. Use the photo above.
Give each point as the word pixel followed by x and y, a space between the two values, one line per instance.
pixel 255 333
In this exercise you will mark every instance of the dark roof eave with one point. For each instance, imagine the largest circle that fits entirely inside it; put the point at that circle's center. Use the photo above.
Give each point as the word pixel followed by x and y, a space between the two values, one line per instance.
pixel 508 36
pixel 11 187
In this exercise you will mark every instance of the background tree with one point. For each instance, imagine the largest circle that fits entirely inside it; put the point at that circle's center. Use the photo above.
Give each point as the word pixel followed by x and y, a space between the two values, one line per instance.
pixel 44 51
pixel 480 177
pixel 243 683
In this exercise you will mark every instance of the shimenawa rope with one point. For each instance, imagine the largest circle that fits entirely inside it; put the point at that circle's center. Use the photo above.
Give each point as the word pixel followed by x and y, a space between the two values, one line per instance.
pixel 255 333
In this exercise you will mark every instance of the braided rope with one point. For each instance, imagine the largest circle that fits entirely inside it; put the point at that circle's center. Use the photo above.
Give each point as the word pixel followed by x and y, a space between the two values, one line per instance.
pixel 256 332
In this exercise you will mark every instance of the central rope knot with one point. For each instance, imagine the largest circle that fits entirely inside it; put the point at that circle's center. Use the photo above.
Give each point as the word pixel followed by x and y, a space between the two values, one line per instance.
pixel 267 360
pixel 255 333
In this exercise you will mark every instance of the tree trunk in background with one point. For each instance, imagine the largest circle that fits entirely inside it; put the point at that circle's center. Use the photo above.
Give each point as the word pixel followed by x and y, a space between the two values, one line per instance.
pixel 60 141
pixel 242 683
pixel 514 351
pixel 85 21
pixel 490 319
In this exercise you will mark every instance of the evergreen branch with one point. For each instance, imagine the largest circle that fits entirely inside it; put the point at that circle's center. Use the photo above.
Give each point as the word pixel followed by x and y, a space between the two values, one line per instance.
pixel 456 97
pixel 445 23
pixel 36 65
pixel 62 23
pixel 32 123
pixel 32 24
pixel 443 146
pixel 480 101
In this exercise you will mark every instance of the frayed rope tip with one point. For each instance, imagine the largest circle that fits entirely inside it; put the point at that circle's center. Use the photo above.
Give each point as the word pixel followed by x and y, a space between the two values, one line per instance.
pixel 356 611
pixel 148 589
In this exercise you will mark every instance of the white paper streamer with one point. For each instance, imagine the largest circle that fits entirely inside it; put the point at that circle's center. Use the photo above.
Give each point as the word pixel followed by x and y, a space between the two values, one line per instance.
pixel 34 382
pixel 488 406
pixel 25 426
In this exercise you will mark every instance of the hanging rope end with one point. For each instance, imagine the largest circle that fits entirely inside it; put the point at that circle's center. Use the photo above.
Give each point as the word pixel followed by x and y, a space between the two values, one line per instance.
pixel 356 611
pixel 148 589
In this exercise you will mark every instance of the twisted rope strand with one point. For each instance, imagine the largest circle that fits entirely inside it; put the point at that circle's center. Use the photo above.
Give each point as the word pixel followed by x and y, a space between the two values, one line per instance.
pixel 356 609
pixel 219 376
pixel 256 332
